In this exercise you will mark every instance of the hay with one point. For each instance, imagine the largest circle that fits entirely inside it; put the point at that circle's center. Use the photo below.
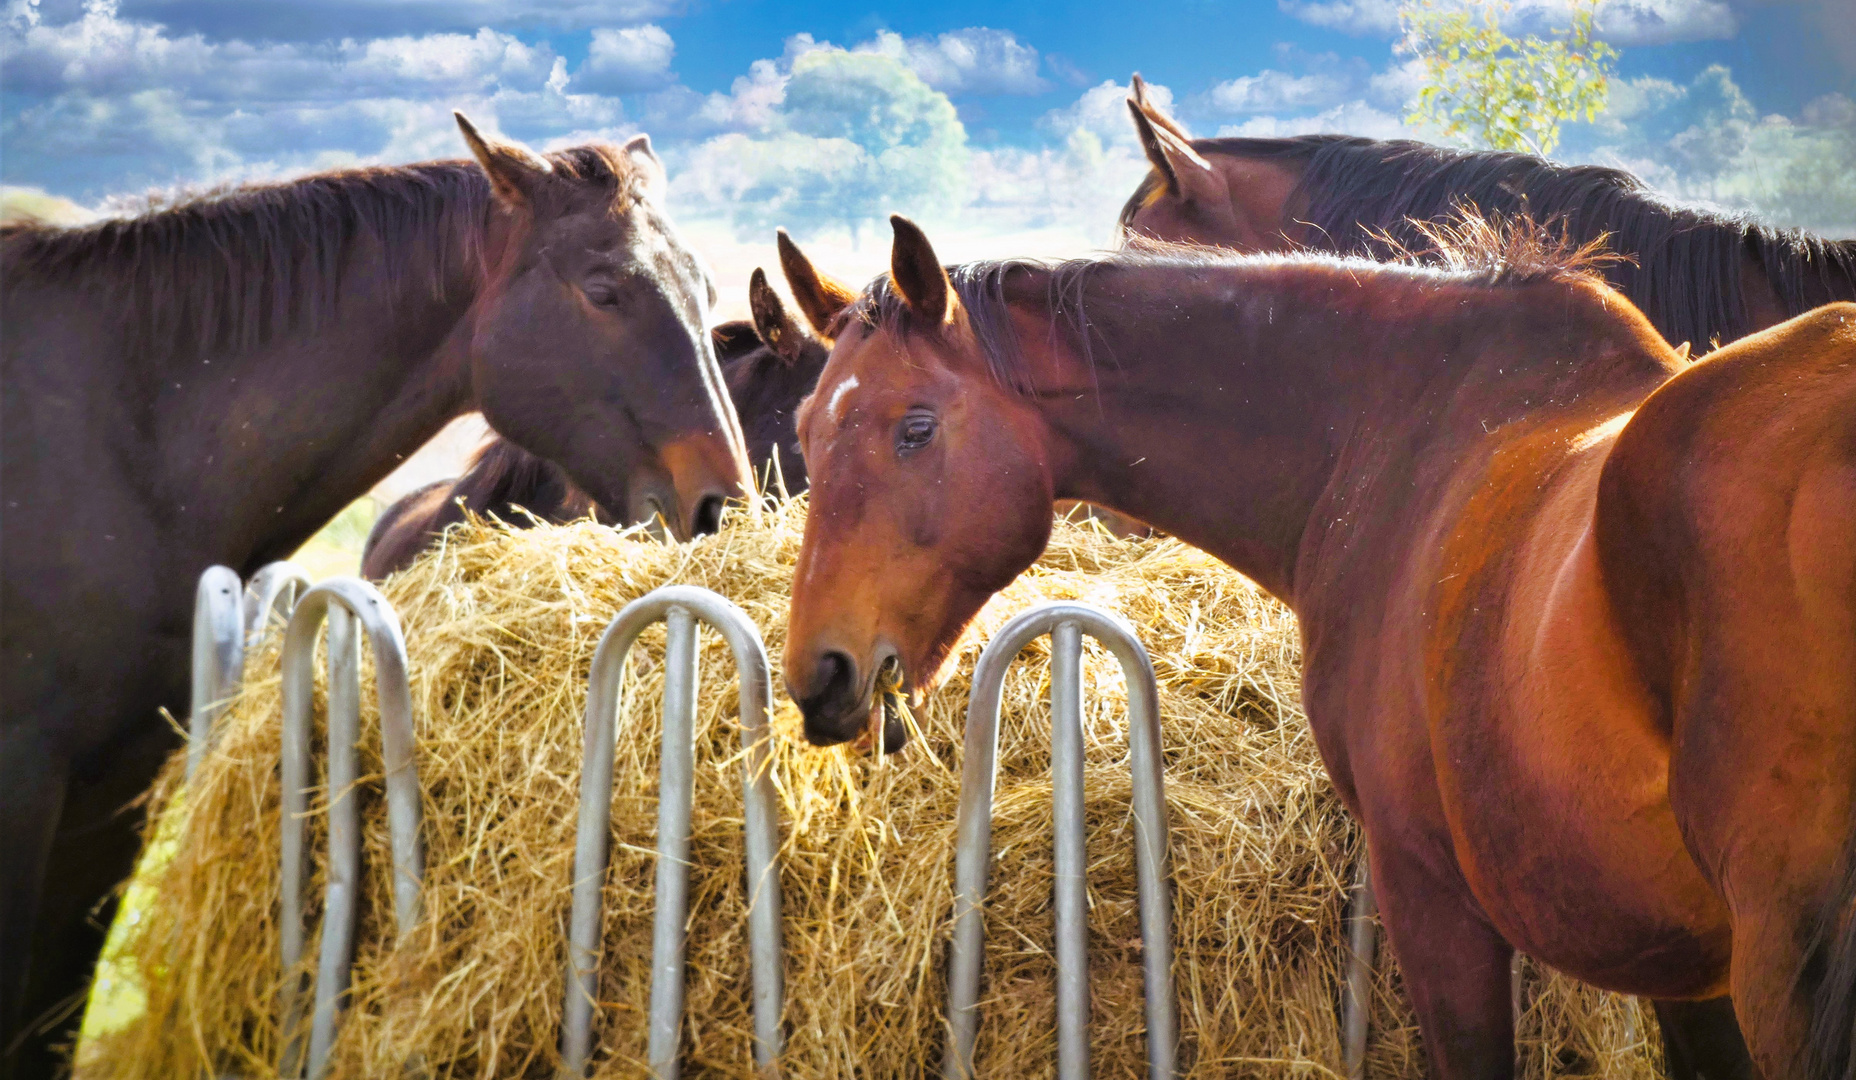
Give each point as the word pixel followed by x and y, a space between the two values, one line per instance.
pixel 501 627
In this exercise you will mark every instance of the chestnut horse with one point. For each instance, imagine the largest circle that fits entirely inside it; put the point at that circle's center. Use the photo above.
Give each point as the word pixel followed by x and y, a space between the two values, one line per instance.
pixel 769 365
pixel 1578 620
pixel 212 382
pixel 1702 278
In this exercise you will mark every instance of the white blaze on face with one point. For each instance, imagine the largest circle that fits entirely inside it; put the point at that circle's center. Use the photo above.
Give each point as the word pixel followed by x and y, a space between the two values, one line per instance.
pixel 836 400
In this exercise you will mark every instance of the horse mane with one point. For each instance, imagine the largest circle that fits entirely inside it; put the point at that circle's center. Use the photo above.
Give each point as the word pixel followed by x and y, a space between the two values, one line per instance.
pixel 236 268
pixel 1367 196
pixel 502 475
pixel 1466 248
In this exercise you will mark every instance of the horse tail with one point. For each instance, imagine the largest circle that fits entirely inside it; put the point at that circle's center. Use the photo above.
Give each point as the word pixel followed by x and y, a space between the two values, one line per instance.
pixel 1830 961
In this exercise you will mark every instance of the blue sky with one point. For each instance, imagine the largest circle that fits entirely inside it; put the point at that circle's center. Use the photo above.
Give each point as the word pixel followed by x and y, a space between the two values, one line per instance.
pixel 991 118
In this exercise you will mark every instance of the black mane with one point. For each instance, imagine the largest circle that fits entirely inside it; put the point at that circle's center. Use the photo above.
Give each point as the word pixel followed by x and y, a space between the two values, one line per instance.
pixel 237 268
pixel 1687 263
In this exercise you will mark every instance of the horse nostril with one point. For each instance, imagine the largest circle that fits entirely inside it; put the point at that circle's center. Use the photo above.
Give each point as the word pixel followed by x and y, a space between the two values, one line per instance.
pixel 708 516
pixel 832 715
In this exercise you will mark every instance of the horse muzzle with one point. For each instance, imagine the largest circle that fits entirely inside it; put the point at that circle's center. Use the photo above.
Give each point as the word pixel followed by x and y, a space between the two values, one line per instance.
pixel 839 705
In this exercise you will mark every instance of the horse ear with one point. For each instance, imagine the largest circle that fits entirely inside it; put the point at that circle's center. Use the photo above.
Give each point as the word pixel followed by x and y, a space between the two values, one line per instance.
pixel 515 173
pixel 820 298
pixel 1137 95
pixel 771 322
pixel 917 274
pixel 1186 174
pixel 639 152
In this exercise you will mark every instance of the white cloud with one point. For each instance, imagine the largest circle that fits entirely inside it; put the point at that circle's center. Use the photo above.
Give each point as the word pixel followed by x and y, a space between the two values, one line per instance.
pixel 327 20
pixel 1102 111
pixel 824 136
pixel 627 59
pixel 1705 142
pixel 976 60
pixel 1624 22
pixel 1273 91
pixel 1347 118
pixel 101 101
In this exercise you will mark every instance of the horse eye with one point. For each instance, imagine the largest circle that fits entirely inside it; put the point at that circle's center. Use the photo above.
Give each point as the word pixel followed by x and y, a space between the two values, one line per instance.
pixel 914 432
pixel 601 293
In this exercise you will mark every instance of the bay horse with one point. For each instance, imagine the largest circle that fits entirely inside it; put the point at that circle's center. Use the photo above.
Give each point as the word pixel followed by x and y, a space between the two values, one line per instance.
pixel 769 364
pixel 1578 618
pixel 212 382
pixel 1702 278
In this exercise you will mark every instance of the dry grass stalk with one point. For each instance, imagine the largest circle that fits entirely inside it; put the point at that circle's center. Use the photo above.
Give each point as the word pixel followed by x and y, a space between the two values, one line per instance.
pixel 501 627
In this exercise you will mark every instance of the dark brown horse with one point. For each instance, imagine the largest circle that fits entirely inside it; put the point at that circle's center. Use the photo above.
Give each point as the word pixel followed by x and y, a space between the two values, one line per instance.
pixel 769 363
pixel 1702 278
pixel 213 382
pixel 1578 619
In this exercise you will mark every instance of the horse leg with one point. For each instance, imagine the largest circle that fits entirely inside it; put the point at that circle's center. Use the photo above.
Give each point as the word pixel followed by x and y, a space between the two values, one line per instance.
pixel 32 790
pixel 1702 1041
pixel 99 837
pixel 1456 966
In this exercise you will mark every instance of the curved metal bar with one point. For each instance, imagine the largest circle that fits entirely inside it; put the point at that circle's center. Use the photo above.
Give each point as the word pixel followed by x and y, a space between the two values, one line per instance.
pixel 1356 1003
pixel 680 606
pixel 979 774
pixel 274 588
pixel 218 657
pixel 343 602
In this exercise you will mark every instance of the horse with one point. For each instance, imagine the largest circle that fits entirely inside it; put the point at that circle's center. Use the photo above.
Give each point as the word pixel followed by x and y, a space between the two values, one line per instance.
pixel 212 382
pixel 1702 278
pixel 1578 617
pixel 769 364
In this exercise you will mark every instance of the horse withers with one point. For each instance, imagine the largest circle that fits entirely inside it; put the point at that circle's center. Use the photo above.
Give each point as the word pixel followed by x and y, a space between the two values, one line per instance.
pixel 1578 618
pixel 212 382
pixel 769 363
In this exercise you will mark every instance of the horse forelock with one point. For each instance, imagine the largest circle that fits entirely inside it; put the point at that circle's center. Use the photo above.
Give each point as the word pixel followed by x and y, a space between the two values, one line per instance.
pixel 602 165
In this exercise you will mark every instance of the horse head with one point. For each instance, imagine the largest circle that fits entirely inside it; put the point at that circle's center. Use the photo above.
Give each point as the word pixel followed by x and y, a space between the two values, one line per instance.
pixel 589 346
pixel 1195 194
pixel 769 381
pixel 930 492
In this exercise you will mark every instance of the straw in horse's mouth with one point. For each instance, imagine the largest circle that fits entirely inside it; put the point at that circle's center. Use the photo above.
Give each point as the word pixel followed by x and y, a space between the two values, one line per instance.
pixel 891 703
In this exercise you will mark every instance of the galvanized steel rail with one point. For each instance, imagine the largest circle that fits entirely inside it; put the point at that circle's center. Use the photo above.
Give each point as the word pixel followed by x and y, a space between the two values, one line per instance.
pixel 218 657
pixel 1066 623
pixel 1356 1003
pixel 680 606
pixel 343 602
pixel 273 589
pixel 224 628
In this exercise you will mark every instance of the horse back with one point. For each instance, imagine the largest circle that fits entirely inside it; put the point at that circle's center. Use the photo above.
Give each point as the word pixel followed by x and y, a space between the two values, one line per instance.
pixel 405 528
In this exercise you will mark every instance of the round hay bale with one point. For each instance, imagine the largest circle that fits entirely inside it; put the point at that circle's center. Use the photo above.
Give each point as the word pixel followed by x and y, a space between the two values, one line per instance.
pixel 501 627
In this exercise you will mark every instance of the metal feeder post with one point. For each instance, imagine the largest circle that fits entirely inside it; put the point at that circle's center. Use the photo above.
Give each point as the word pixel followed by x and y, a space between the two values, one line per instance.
pixel 343 602
pixel 218 657
pixel 1066 623
pixel 680 607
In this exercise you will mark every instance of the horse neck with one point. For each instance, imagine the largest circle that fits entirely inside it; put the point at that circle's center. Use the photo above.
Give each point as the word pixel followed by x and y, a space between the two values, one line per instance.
pixel 309 422
pixel 1278 414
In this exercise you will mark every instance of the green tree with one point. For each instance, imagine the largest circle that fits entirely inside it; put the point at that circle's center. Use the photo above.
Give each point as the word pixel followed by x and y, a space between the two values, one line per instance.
pixel 1500 92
